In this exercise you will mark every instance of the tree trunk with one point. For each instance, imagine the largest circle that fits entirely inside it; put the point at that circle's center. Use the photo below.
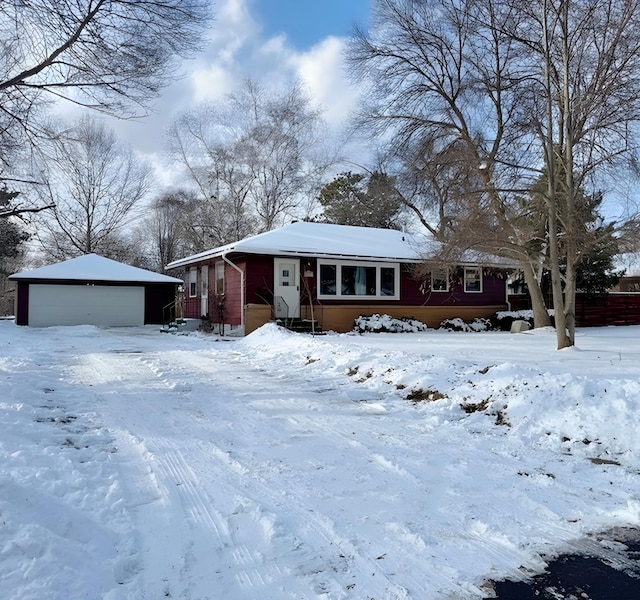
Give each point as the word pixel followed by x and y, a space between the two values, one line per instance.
pixel 570 304
pixel 540 312
pixel 552 188
pixel 571 225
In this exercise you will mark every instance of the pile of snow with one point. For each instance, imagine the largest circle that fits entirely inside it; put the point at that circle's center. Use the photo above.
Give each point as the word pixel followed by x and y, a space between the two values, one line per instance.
pixel 384 323
pixel 141 465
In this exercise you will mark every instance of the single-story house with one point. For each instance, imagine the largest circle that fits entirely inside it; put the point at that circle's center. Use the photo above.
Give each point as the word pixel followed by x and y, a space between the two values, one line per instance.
pixel 331 274
pixel 92 290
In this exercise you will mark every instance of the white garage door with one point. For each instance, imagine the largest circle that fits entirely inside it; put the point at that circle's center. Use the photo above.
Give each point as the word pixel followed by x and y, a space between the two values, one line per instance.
pixel 86 305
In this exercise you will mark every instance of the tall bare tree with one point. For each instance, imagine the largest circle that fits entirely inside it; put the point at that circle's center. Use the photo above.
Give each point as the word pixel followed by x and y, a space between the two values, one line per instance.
pixel 509 91
pixel 167 228
pixel 442 76
pixel 96 184
pixel 588 56
pixel 110 55
pixel 253 158
pixel 113 55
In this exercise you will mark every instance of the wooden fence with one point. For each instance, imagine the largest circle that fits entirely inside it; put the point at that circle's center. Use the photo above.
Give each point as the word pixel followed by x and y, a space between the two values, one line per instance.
pixel 616 308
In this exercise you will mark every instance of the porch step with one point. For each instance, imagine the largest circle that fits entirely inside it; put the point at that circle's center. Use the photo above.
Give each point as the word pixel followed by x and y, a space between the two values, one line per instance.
pixel 301 325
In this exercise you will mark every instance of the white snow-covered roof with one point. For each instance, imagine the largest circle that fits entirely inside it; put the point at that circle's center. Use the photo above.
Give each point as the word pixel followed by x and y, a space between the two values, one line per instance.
pixel 92 267
pixel 325 240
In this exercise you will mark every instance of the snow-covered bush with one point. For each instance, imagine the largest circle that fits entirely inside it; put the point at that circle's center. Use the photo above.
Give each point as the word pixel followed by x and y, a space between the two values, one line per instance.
pixel 384 323
pixel 458 324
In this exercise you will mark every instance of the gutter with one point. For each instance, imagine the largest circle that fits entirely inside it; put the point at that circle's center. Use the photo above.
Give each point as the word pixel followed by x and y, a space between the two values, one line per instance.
pixel 242 282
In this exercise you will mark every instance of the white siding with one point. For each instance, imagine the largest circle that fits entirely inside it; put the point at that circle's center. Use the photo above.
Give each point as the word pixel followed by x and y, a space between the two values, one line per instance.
pixel 85 305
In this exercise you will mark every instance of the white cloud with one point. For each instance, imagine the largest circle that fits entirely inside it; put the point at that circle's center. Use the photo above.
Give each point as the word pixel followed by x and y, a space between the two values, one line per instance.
pixel 211 83
pixel 322 70
pixel 233 27
pixel 238 51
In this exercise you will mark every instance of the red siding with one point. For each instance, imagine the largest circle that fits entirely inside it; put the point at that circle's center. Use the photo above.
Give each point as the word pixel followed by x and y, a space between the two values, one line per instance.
pixel 192 305
pixel 259 288
pixel 259 279
pixel 232 292
pixel 493 292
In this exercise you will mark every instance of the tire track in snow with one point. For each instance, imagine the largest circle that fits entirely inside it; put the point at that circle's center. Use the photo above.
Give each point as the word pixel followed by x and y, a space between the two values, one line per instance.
pixel 238 530
pixel 177 474
pixel 315 534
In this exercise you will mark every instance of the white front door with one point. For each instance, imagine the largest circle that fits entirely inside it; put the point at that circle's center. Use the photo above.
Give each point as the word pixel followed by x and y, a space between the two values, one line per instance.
pixel 287 288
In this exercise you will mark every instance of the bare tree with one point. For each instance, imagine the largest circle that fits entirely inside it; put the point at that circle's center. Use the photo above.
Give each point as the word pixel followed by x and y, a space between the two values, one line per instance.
pixel 510 92
pixel 587 53
pixel 167 229
pixel 442 80
pixel 113 56
pixel 253 158
pixel 96 184
pixel 220 213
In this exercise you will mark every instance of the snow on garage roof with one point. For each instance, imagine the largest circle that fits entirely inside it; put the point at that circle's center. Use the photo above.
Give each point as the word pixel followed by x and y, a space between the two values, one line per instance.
pixel 92 267
pixel 326 240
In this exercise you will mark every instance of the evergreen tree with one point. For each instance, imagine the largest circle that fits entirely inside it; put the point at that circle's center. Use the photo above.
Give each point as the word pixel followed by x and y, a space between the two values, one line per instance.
pixel 353 199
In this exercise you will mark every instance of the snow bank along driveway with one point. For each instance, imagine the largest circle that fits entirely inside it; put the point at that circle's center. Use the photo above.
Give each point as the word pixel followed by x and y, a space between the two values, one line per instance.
pixel 411 466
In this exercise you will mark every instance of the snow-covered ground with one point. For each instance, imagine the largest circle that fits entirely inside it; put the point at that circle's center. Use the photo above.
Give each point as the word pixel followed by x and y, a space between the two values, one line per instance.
pixel 137 465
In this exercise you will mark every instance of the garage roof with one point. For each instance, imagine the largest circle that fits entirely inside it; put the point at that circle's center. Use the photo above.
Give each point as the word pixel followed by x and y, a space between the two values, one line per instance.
pixel 92 267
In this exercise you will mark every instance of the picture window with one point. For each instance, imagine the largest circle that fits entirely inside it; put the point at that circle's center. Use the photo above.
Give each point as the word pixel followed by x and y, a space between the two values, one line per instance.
pixel 351 280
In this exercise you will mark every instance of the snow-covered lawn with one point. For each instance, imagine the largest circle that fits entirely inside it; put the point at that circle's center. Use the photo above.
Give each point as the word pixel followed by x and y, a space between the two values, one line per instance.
pixel 136 465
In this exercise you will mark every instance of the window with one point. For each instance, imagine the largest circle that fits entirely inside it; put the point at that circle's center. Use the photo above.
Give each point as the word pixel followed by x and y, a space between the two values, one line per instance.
pixel 343 279
pixel 387 281
pixel 219 289
pixel 473 279
pixel 204 281
pixel 193 283
pixel 440 280
pixel 328 280
pixel 359 281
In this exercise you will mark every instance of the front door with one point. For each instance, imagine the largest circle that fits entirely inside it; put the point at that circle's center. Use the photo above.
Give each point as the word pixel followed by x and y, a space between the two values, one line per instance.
pixel 287 288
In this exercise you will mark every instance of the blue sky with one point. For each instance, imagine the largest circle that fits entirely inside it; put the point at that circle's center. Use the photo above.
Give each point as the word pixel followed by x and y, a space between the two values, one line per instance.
pixel 306 22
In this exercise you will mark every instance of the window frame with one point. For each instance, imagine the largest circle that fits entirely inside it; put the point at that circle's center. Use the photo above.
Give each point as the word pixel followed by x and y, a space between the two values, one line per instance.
pixel 219 282
pixel 446 279
pixel 477 270
pixel 204 281
pixel 193 283
pixel 338 264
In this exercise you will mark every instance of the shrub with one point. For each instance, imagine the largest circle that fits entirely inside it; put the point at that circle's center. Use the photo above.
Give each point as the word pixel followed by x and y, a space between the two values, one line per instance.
pixel 458 324
pixel 384 323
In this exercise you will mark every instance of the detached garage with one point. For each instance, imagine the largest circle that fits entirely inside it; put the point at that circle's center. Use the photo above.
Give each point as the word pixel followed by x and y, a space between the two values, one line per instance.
pixel 92 290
